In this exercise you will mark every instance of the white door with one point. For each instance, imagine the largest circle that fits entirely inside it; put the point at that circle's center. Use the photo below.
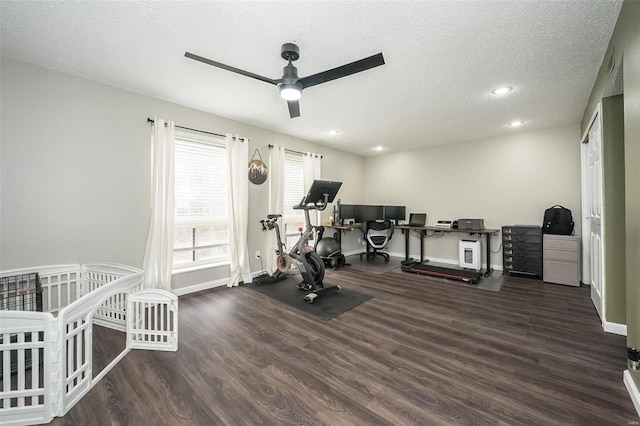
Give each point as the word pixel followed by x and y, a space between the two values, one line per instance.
pixel 594 195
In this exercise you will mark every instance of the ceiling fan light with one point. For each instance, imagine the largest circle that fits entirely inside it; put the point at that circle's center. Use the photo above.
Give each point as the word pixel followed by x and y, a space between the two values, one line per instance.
pixel 290 92
pixel 516 123
pixel 502 90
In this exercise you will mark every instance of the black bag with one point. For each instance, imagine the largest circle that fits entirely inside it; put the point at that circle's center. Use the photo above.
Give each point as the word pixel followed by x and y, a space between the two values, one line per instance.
pixel 557 220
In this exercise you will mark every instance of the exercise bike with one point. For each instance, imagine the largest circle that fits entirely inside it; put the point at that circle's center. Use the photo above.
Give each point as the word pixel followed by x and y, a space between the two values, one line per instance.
pixel 302 256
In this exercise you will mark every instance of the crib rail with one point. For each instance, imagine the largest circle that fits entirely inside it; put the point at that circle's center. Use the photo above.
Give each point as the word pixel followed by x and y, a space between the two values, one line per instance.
pixel 60 284
pixel 27 346
pixel 96 275
pixel 46 362
pixel 112 312
pixel 154 320
pixel 76 321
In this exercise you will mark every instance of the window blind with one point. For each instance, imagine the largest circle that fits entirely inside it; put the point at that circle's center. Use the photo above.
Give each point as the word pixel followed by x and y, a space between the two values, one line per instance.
pixel 293 184
pixel 200 182
pixel 201 203
pixel 293 193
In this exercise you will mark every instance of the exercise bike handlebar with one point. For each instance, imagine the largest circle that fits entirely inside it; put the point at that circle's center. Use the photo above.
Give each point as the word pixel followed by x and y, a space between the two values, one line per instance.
pixel 317 205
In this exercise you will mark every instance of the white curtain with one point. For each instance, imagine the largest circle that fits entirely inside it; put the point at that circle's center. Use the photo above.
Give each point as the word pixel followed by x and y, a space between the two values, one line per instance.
pixel 238 160
pixel 311 171
pixel 276 200
pixel 158 256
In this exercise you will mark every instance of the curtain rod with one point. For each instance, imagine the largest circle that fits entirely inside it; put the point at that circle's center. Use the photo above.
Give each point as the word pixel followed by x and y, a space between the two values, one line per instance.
pixel 150 120
pixel 294 152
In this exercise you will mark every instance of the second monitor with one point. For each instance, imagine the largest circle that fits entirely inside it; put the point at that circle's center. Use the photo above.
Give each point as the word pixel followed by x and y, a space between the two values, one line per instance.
pixel 394 213
pixel 348 211
pixel 365 213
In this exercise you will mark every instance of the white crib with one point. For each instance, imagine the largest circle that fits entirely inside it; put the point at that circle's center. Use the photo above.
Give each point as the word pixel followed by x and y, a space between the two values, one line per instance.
pixel 50 352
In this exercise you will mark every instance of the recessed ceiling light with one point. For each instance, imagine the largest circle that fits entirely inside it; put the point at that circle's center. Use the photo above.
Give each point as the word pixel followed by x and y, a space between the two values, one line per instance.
pixel 333 132
pixel 379 148
pixel 516 123
pixel 502 90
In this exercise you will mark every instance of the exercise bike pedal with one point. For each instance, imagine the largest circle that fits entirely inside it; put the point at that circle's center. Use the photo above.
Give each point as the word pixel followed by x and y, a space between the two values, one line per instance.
pixel 309 298
pixel 304 287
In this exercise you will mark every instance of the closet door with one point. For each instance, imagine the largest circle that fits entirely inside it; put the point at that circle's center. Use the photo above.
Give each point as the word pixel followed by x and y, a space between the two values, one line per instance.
pixel 595 215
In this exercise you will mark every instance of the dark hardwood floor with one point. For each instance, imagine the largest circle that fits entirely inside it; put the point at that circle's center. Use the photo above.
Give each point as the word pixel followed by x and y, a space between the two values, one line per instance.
pixel 422 351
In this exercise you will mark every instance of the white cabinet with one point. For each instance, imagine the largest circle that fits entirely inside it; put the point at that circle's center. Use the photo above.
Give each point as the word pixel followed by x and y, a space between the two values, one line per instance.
pixel 561 257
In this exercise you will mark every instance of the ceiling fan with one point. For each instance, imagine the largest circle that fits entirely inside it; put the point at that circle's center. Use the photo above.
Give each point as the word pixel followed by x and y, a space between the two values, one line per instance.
pixel 290 85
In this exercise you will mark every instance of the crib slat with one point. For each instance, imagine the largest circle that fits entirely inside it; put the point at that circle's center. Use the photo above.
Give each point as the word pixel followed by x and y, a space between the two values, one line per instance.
pixel 21 369
pixel 35 363
pixel 163 323
pixel 70 357
pixel 78 340
pixel 6 369
pixel 149 324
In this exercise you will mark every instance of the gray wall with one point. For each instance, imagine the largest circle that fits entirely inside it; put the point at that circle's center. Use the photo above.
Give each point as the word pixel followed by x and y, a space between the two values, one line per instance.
pixel 507 180
pixel 625 42
pixel 75 170
pixel 613 199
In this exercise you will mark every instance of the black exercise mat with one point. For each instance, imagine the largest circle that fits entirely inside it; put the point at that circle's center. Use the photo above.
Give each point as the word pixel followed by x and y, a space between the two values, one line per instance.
pixel 326 307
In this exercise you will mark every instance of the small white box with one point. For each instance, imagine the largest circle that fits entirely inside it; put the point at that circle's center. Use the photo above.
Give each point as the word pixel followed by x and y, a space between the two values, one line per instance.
pixel 470 254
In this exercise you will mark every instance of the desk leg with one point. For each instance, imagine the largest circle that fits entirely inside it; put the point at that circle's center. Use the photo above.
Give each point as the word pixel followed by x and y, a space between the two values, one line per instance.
pixel 406 243
pixel 489 268
pixel 422 233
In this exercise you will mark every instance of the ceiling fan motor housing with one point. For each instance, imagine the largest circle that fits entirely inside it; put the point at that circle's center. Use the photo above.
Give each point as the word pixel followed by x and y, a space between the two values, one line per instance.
pixel 290 52
pixel 289 74
pixel 289 87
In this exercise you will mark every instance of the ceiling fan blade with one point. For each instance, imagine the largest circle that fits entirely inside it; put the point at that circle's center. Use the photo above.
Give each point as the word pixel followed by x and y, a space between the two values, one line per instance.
pixel 343 71
pixel 294 109
pixel 230 68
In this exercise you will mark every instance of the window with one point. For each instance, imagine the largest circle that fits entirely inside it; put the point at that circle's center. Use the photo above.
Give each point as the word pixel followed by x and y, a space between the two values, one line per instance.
pixel 201 224
pixel 293 193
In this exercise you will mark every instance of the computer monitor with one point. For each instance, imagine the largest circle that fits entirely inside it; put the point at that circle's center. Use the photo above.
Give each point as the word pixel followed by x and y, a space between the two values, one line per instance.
pixel 365 213
pixel 417 219
pixel 320 188
pixel 347 211
pixel 394 213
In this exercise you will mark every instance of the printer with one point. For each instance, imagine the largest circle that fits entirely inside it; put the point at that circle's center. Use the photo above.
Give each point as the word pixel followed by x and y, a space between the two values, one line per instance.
pixel 471 224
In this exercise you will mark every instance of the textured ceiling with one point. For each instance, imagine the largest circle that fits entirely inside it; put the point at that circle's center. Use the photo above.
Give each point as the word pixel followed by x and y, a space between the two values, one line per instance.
pixel 442 60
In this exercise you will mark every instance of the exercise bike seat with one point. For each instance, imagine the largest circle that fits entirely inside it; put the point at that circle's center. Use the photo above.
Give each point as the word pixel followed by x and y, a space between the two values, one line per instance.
pixel 273 216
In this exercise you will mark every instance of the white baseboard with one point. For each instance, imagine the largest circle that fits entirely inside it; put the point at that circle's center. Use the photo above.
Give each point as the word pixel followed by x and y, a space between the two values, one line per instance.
pixel 208 285
pixel 199 287
pixel 615 328
pixel 633 390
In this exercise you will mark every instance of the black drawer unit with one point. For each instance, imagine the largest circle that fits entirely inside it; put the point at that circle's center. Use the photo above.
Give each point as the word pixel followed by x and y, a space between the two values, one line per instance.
pixel 522 249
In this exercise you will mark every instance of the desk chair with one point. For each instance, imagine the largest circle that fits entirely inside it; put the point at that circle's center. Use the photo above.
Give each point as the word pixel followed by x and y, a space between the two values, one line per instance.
pixel 377 234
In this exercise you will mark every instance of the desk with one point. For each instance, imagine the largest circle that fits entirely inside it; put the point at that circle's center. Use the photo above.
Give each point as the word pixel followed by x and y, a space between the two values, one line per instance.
pixel 423 233
pixel 343 228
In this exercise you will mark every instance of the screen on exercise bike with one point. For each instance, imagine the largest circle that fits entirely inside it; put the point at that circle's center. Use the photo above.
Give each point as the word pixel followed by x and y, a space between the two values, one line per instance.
pixel 318 190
